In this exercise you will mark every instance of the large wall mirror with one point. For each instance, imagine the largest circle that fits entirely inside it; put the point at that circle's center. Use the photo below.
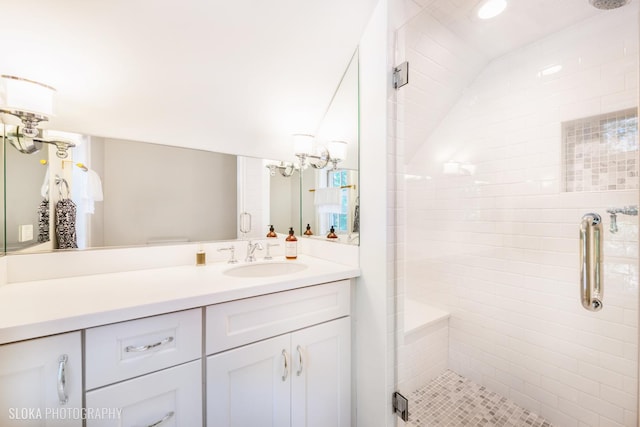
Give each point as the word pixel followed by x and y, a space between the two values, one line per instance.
pixel 327 197
pixel 124 193
pixel 131 193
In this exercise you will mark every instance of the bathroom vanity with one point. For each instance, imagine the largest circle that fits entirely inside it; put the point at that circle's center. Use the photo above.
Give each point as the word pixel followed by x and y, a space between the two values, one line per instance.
pixel 179 346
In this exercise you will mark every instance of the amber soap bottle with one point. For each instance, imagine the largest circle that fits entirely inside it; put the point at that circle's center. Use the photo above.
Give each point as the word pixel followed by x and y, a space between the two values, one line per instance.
pixel 291 245
pixel 308 231
pixel 272 233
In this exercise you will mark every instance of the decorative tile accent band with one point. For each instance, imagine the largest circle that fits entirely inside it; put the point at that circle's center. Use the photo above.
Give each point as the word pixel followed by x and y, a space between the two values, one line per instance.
pixel 601 152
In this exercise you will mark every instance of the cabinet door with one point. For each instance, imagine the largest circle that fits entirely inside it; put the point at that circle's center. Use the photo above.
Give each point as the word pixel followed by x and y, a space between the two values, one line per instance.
pixel 36 379
pixel 168 398
pixel 250 386
pixel 321 378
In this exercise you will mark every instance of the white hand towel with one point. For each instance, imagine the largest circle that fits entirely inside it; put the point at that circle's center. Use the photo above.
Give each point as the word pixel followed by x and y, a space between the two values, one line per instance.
pixel 94 187
pixel 327 196
pixel 44 189
pixel 93 190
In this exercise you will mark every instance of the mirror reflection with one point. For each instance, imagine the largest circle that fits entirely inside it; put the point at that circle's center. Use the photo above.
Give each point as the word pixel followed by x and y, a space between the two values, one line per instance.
pixel 24 197
pixel 284 201
pixel 330 205
pixel 324 183
pixel 121 193
pixel 114 192
pixel 179 195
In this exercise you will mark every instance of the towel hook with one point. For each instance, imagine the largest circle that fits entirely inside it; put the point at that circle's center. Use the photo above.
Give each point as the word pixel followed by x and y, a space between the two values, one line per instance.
pixel 59 182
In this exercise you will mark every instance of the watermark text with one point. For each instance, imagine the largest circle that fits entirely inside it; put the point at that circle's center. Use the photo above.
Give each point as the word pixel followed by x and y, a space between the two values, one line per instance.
pixel 65 413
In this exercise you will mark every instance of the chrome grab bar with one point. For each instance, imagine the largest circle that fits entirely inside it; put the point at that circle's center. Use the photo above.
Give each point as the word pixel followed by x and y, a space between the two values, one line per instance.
pixel 245 222
pixel 63 397
pixel 591 283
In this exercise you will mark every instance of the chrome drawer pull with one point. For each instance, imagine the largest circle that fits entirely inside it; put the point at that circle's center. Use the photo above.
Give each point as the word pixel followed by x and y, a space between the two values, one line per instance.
pixel 140 349
pixel 165 418
pixel 285 373
pixel 62 379
pixel 299 371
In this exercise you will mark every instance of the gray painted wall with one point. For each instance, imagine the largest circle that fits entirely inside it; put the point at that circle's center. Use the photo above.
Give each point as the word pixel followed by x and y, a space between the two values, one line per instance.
pixel 155 193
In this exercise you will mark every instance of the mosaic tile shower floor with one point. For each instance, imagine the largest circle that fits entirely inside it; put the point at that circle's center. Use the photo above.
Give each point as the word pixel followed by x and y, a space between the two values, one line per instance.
pixel 453 400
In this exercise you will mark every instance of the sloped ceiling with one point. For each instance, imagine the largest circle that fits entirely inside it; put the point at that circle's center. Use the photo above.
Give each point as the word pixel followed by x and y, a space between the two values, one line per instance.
pixel 450 47
pixel 231 76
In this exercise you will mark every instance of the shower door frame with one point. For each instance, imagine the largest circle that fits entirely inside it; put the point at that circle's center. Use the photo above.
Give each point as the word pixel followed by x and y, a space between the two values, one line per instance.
pixel 399 208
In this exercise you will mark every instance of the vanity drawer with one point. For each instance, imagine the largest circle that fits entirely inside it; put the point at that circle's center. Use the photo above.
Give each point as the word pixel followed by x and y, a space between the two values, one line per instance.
pixel 172 397
pixel 241 322
pixel 124 350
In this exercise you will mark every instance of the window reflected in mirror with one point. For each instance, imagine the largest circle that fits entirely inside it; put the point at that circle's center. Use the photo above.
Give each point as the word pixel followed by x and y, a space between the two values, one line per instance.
pixel 157 194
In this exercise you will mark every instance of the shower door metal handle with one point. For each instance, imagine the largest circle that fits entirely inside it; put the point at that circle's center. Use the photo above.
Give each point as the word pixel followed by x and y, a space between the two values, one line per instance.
pixel 591 283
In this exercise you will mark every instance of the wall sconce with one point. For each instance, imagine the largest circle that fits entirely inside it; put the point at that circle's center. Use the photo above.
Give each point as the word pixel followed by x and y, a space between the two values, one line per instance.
pixel 27 145
pixel 337 152
pixel 30 101
pixel 286 169
pixel 303 148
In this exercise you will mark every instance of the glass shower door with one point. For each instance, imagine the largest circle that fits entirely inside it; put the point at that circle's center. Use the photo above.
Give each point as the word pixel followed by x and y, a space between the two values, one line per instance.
pixel 510 130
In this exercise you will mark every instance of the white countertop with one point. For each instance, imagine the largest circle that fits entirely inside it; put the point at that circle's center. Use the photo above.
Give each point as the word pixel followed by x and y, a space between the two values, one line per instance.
pixel 46 307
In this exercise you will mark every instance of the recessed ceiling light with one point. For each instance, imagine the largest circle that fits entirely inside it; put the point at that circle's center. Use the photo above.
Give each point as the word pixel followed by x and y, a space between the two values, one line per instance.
pixel 491 9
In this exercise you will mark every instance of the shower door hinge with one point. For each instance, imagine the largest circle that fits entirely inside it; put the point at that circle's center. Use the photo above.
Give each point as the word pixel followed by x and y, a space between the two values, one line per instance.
pixel 400 405
pixel 401 75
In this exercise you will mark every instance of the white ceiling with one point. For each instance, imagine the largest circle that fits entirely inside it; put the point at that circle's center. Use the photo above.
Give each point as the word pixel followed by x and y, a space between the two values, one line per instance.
pixel 450 47
pixel 235 76
pixel 522 22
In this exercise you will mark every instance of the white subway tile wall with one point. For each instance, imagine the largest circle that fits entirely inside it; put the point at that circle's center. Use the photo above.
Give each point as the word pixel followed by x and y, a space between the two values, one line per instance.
pixel 423 357
pixel 496 242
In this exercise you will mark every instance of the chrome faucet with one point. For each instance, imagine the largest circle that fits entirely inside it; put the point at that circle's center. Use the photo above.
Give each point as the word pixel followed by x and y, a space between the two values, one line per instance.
pixel 269 246
pixel 627 210
pixel 251 249
pixel 232 249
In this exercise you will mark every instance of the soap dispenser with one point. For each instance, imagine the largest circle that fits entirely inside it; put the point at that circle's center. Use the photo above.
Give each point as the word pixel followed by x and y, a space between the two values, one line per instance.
pixel 308 231
pixel 272 234
pixel 332 233
pixel 201 257
pixel 291 245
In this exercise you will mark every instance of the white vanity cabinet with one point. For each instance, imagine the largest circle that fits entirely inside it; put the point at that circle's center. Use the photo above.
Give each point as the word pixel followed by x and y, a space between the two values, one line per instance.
pixel 247 353
pixel 281 359
pixel 147 370
pixel 41 382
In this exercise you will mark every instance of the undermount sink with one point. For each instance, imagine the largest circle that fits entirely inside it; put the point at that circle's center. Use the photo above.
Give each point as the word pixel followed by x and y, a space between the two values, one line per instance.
pixel 265 269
